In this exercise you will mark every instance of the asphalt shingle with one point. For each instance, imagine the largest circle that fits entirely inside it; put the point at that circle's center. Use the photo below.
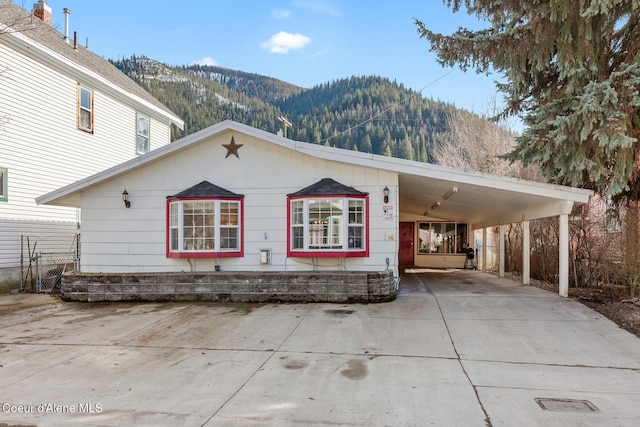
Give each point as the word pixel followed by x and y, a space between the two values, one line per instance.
pixel 205 189
pixel 327 187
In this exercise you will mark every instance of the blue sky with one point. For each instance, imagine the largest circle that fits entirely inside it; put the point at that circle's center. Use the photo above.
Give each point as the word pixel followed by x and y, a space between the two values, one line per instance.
pixel 304 42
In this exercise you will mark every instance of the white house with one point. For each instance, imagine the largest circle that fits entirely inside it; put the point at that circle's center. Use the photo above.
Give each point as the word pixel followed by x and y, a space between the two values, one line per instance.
pixel 237 199
pixel 65 113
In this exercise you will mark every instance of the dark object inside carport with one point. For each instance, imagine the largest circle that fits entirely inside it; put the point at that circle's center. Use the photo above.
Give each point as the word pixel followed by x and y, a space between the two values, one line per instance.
pixel 470 258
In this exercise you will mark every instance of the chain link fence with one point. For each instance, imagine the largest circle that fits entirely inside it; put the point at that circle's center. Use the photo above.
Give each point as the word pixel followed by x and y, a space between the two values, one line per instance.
pixel 44 259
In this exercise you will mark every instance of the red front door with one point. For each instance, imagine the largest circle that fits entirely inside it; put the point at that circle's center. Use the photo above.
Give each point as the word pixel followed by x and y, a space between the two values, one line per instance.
pixel 405 253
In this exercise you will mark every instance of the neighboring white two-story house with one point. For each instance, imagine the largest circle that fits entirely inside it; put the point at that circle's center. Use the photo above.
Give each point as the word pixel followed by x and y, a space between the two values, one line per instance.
pixel 65 113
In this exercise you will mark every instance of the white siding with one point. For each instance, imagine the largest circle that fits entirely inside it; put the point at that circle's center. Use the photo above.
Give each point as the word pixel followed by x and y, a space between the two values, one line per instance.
pixel 116 239
pixel 42 147
pixel 159 133
pixel 11 231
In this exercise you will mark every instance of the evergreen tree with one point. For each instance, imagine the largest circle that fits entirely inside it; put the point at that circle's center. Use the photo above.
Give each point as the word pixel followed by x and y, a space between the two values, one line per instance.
pixel 387 151
pixel 369 114
pixel 405 150
pixel 365 144
pixel 424 154
pixel 572 71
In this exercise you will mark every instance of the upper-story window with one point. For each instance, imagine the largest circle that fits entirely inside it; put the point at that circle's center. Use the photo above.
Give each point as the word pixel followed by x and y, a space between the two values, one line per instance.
pixel 205 221
pixel 142 134
pixel 3 185
pixel 85 109
pixel 328 219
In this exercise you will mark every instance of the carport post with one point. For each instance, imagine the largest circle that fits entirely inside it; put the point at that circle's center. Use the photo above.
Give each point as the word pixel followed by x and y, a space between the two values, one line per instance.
pixel 563 247
pixel 484 249
pixel 526 254
pixel 502 250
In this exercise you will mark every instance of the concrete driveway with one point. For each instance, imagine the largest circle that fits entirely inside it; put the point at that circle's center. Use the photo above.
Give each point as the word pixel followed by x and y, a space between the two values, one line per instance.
pixel 457 348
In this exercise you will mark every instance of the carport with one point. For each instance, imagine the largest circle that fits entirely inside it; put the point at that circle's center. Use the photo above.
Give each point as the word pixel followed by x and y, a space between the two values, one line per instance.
pixel 483 201
pixel 448 194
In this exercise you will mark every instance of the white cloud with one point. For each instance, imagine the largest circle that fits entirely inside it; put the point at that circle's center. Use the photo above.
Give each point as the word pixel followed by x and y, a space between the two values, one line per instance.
pixel 283 42
pixel 320 7
pixel 320 53
pixel 281 13
pixel 207 60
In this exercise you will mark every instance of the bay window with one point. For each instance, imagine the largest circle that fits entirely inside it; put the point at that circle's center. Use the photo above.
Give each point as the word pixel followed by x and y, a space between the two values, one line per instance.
pixel 326 227
pixel 328 219
pixel 204 227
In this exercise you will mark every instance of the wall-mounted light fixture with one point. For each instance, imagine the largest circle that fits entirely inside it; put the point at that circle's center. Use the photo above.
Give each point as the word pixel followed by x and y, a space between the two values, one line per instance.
pixel 125 198
pixel 385 191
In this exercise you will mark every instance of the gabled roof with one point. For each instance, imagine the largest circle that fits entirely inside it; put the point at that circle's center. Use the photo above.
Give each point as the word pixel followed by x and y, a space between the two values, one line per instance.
pixel 480 199
pixel 327 187
pixel 38 39
pixel 205 189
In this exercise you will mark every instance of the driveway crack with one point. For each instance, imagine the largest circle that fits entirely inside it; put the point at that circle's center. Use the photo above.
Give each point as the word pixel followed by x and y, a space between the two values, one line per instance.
pixel 295 328
pixel 487 419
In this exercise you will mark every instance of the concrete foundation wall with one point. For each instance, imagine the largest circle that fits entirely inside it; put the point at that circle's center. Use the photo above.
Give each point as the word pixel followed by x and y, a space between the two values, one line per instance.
pixel 339 287
pixel 10 275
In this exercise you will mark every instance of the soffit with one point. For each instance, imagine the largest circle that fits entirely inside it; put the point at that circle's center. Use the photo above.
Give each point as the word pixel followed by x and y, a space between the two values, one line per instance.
pixel 474 203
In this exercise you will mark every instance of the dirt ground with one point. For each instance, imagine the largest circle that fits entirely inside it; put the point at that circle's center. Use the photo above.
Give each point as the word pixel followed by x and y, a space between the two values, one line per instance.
pixel 608 300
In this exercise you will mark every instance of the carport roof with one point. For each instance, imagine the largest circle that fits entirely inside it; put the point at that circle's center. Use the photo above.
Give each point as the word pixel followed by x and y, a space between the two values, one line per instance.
pixel 480 199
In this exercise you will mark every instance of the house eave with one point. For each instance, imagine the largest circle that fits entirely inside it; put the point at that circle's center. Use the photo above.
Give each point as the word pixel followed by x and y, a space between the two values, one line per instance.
pixel 508 199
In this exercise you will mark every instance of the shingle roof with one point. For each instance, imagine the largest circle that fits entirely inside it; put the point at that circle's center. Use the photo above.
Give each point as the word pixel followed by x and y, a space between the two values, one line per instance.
pixel 327 187
pixel 482 200
pixel 205 189
pixel 23 22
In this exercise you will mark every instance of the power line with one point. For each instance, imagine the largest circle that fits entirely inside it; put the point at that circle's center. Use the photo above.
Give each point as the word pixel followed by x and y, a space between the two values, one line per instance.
pixel 402 101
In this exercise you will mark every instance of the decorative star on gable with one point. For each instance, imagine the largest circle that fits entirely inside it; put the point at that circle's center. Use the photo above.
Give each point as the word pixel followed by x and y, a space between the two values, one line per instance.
pixel 232 148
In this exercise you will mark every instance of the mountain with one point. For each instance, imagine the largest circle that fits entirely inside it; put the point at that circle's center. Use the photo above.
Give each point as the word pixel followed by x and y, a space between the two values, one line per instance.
pixel 371 114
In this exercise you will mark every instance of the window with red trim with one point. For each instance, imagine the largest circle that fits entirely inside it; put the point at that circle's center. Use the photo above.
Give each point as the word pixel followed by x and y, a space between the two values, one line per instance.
pixel 204 228
pixel 205 221
pixel 328 226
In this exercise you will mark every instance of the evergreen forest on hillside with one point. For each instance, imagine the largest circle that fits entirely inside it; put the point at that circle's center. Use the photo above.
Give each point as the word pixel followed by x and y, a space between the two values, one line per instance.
pixel 370 114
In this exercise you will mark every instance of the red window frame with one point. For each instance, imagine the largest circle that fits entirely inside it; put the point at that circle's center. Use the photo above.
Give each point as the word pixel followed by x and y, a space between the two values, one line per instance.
pixel 205 254
pixel 325 253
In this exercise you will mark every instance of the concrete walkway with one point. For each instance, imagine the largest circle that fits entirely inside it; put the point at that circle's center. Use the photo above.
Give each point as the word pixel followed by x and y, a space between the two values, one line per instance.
pixel 457 348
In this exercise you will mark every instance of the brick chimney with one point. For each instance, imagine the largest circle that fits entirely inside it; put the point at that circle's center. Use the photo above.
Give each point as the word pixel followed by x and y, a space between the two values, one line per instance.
pixel 42 11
